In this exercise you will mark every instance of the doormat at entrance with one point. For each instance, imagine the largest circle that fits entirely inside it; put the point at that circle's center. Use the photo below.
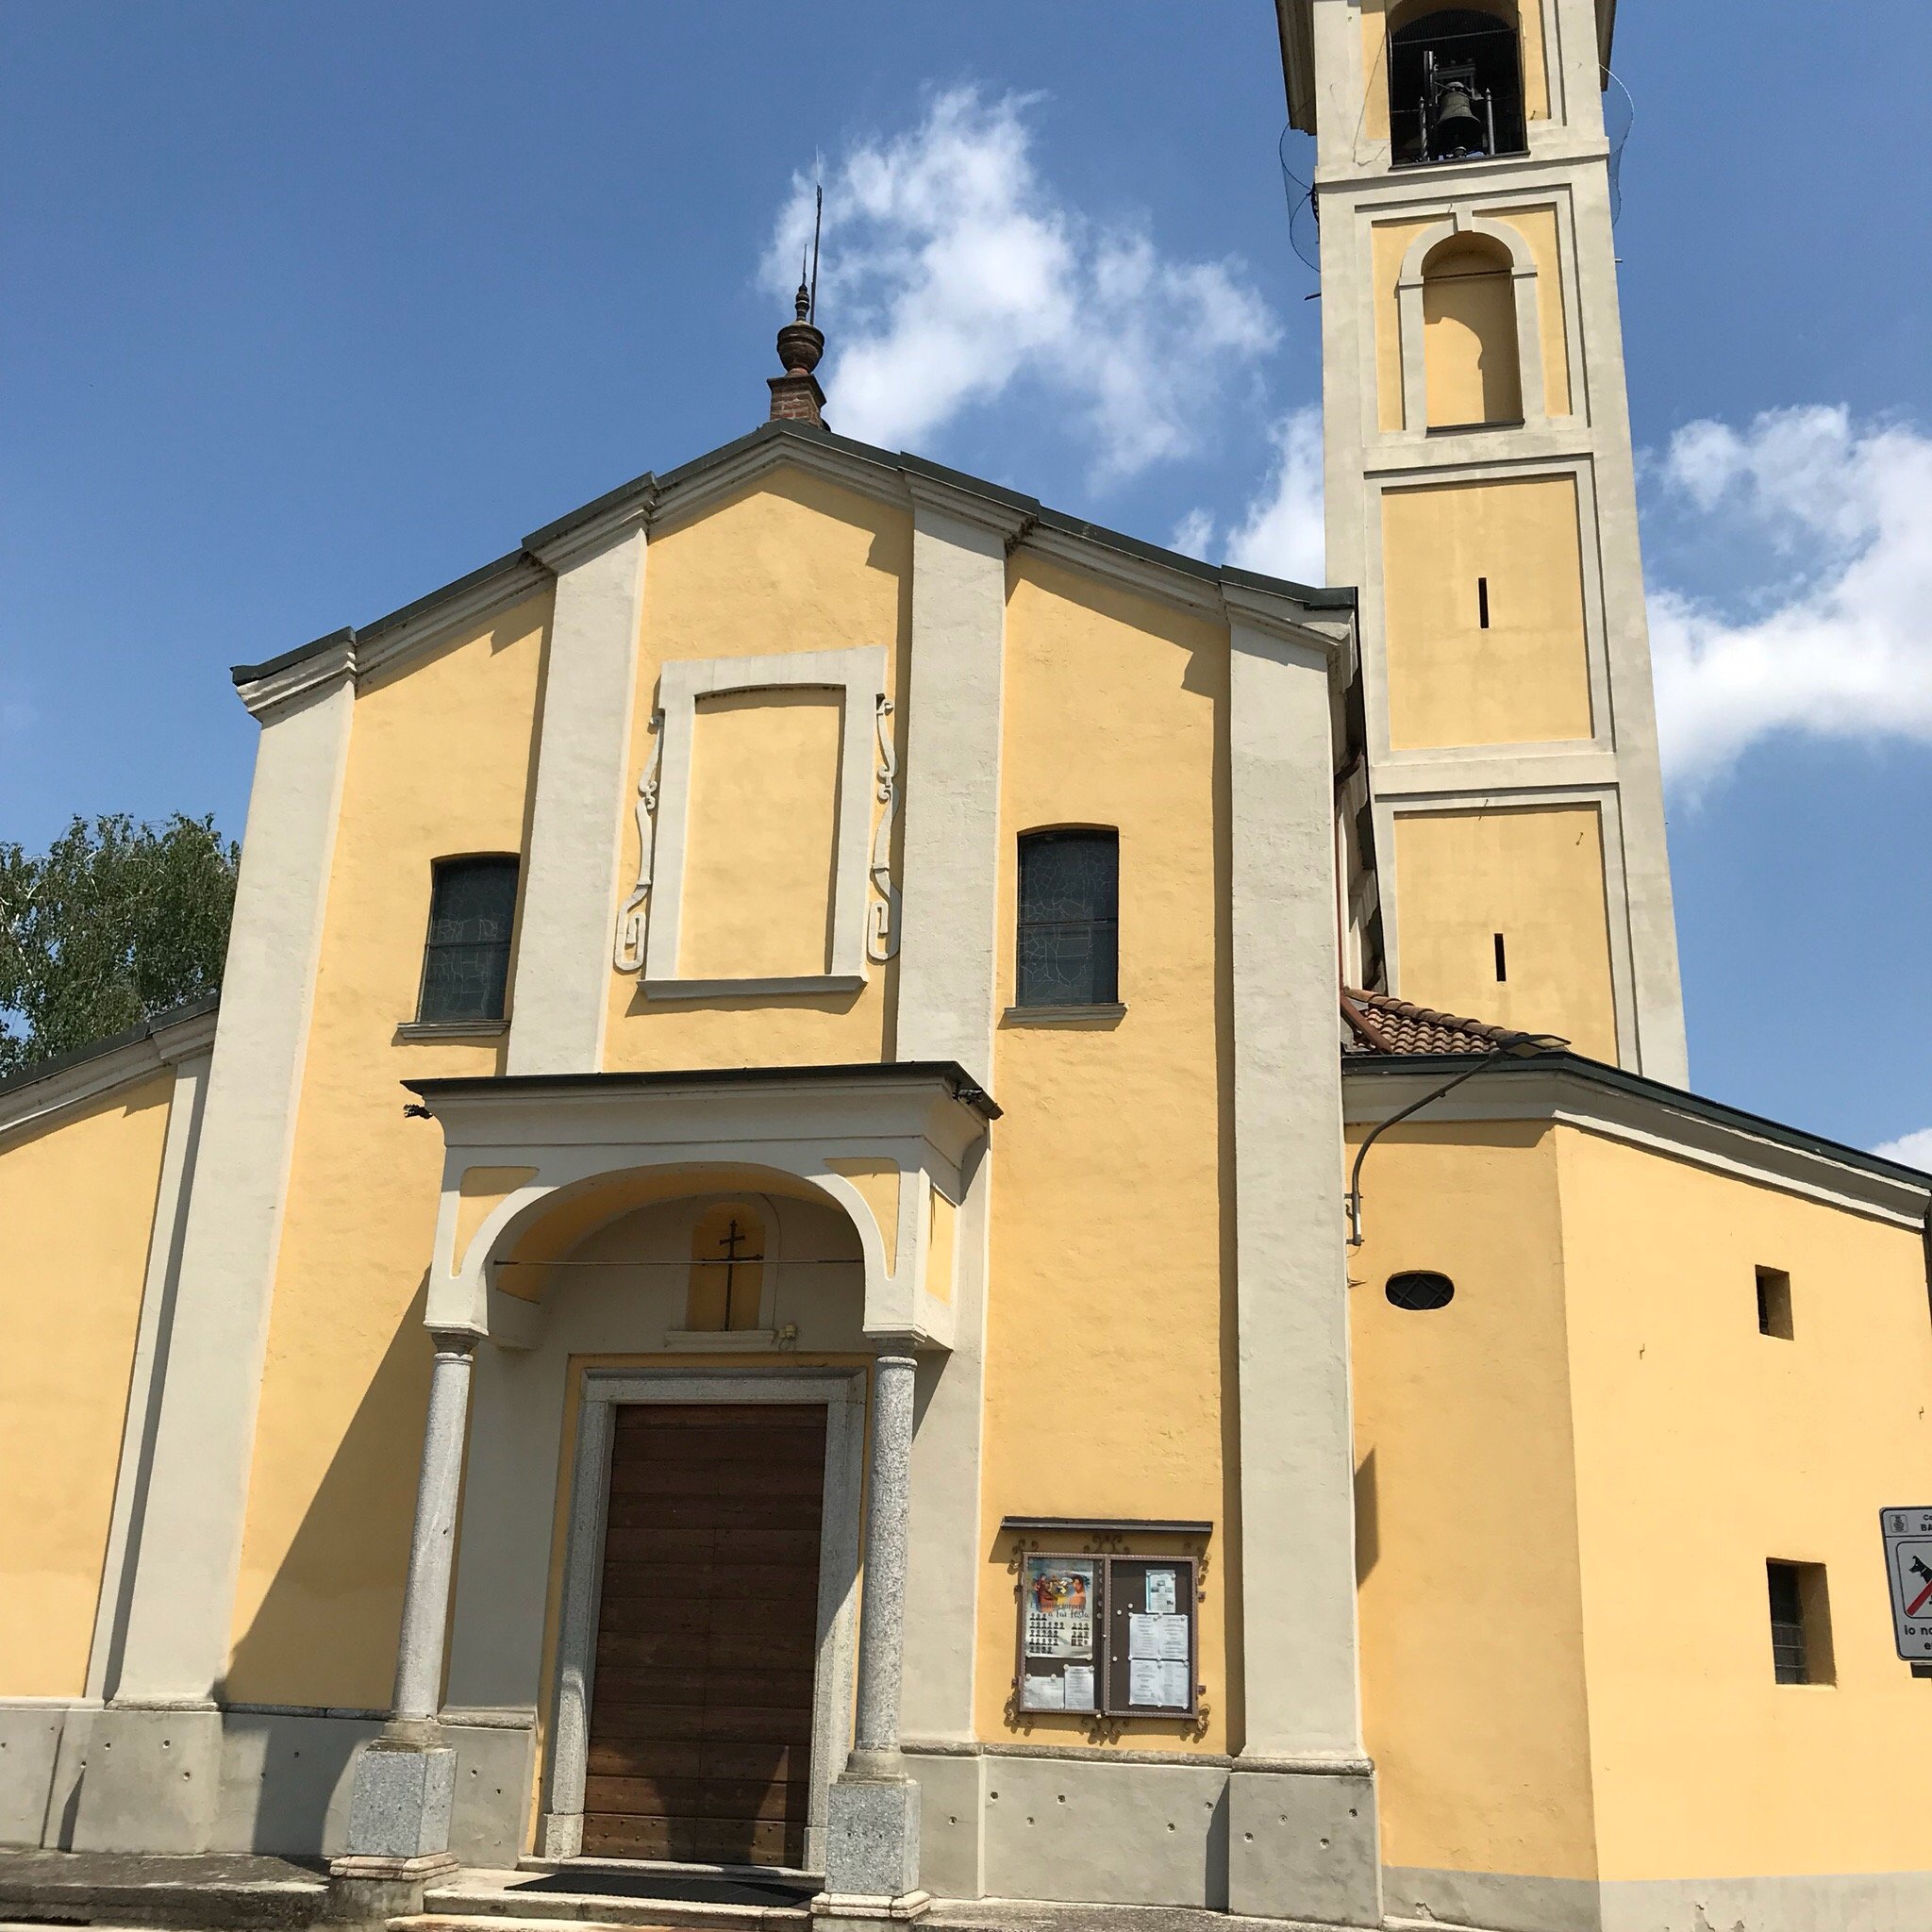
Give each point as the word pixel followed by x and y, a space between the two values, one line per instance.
pixel 685 1888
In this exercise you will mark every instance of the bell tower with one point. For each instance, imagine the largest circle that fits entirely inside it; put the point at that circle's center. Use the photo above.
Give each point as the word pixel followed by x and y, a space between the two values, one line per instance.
pixel 1481 493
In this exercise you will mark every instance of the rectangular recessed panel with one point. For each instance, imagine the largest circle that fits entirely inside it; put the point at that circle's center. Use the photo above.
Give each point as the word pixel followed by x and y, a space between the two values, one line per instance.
pixel 1485 614
pixel 700 1709
pixel 761 835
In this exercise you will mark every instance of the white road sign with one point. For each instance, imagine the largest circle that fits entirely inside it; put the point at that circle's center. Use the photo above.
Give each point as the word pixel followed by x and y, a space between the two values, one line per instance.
pixel 1908 1567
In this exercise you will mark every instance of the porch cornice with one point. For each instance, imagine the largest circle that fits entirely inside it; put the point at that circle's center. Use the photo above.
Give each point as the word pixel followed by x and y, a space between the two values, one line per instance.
pixel 958 1083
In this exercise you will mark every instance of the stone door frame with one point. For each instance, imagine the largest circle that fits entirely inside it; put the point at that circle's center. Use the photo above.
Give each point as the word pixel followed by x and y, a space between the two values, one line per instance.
pixel 843 1392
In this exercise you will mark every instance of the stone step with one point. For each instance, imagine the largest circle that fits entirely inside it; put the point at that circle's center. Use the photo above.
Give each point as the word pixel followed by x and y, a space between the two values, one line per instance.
pixel 213 1892
pixel 603 1914
pixel 617 1893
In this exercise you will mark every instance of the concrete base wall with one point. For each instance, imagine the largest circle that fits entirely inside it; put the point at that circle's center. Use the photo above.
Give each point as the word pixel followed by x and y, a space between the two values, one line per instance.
pixel 30 1747
pixel 75 1777
pixel 1502 1901
pixel 1116 1830
pixel 1492 1901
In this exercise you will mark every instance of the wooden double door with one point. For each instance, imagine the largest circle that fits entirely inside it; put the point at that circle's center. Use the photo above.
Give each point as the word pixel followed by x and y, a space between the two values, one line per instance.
pixel 701 1704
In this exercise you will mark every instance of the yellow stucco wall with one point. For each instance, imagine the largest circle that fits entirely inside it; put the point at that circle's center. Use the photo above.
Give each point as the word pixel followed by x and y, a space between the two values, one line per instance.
pixel 1525 678
pixel 761 835
pixel 1472 1646
pixel 1534 874
pixel 1704 1448
pixel 1111 1217
pixel 796 563
pixel 440 759
pixel 76 1205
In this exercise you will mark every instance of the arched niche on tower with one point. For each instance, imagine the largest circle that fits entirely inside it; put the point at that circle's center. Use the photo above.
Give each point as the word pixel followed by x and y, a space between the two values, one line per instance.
pixel 1472 346
pixel 1471 369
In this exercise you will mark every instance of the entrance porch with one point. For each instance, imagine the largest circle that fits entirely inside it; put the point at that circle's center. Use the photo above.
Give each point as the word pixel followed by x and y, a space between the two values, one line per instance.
pixel 679 1320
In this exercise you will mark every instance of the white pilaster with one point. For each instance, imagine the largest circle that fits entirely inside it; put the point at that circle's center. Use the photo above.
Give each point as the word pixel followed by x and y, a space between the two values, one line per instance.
pixel 189 1550
pixel 569 892
pixel 950 912
pixel 185 1105
pixel 1297 1466
pixel 947 995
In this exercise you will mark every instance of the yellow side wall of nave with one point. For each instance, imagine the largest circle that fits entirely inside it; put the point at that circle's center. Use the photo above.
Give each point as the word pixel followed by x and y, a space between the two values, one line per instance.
pixel 78 1206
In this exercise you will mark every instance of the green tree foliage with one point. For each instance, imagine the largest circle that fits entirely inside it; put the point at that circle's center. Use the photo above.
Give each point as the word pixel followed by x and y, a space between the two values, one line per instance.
pixel 114 923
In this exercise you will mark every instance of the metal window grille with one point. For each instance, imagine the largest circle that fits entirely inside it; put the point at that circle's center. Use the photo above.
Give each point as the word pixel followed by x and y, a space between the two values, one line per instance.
pixel 1069 938
pixel 1790 1655
pixel 466 962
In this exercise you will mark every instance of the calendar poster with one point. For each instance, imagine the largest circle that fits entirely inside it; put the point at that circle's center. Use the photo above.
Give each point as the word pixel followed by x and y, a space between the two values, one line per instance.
pixel 1060 1601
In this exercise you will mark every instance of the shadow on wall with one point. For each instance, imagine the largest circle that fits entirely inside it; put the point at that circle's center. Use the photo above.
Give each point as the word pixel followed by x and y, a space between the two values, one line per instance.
pixel 1368 1526
pixel 312 1674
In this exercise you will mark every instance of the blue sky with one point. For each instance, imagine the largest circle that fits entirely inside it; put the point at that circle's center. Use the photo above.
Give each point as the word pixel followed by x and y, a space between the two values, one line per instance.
pixel 303 311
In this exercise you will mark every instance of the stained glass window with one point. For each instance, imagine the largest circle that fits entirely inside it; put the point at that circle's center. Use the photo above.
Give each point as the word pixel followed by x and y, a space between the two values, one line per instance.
pixel 466 964
pixel 1069 919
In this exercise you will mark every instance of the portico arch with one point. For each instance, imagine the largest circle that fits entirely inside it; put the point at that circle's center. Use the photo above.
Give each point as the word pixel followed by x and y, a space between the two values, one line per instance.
pixel 533 1166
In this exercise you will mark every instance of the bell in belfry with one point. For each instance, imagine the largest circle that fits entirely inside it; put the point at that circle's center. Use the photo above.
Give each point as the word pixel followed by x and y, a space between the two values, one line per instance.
pixel 1457 124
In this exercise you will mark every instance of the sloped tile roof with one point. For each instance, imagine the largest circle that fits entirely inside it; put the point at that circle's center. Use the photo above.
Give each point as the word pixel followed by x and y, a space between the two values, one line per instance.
pixel 1371 1022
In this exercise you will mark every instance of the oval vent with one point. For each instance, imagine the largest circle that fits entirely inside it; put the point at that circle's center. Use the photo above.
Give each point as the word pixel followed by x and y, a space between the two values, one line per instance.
pixel 1420 1290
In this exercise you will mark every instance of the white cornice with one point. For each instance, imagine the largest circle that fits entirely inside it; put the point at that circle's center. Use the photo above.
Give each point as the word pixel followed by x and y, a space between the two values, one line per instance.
pixel 681 501
pixel 40 1103
pixel 1647 1120
pixel 931 493
pixel 1281 615
pixel 594 534
pixel 1143 576
pixel 320 669
pixel 385 644
pixel 181 1040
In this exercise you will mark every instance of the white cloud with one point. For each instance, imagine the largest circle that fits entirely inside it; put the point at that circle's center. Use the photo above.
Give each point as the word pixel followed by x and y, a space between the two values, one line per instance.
pixel 1193 535
pixel 1912 1150
pixel 1279 533
pixel 951 272
pixel 1841 649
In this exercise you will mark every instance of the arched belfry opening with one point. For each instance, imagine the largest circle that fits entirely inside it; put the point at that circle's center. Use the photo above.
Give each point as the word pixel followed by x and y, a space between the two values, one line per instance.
pixel 1455 85
pixel 1470 358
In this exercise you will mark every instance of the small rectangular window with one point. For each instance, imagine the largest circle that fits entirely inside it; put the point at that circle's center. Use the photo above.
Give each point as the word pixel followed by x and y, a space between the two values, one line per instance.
pixel 1069 928
pixel 1800 1624
pixel 1502 962
pixel 473 903
pixel 1482 602
pixel 1774 1303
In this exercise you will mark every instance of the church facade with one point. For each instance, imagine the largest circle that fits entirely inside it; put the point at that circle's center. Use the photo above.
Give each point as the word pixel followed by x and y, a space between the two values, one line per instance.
pixel 833 1224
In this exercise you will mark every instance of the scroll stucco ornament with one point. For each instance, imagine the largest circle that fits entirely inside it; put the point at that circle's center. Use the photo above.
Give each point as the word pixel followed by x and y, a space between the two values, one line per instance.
pixel 882 935
pixel 628 953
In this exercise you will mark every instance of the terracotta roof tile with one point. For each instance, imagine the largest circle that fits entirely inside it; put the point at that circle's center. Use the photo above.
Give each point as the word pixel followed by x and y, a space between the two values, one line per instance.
pixel 1371 1022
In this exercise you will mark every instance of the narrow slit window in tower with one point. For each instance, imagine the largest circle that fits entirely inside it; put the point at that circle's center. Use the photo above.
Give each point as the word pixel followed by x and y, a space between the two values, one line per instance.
pixel 1482 603
pixel 1502 962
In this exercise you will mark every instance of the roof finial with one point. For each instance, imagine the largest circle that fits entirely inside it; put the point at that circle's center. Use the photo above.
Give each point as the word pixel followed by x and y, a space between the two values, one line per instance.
pixel 796 396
